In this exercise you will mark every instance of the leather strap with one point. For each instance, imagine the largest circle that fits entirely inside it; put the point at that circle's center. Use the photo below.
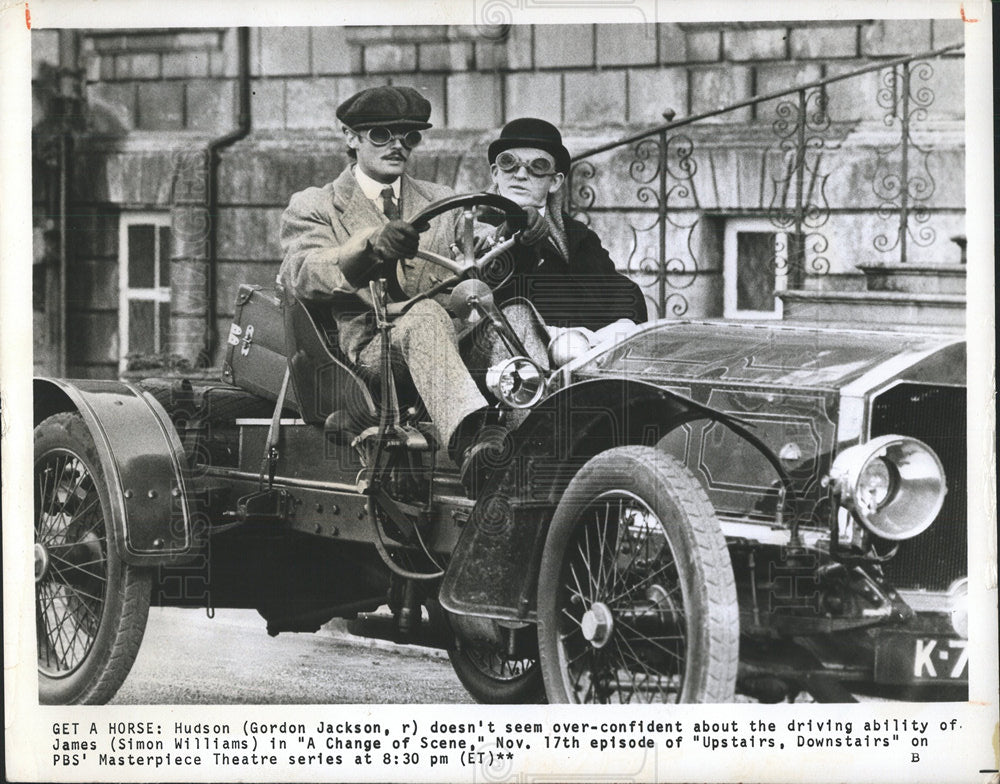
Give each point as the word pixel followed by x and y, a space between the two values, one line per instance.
pixel 270 461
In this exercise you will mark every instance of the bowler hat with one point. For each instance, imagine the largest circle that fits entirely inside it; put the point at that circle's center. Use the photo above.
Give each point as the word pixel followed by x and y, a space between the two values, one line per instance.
pixel 388 106
pixel 531 132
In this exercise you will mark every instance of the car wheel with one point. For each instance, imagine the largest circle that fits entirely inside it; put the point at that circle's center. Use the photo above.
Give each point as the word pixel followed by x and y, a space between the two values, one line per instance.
pixel 90 606
pixel 494 678
pixel 636 597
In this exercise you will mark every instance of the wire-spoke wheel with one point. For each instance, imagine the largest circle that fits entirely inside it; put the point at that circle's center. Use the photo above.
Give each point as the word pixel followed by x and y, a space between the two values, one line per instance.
pixel 636 597
pixel 493 677
pixel 90 607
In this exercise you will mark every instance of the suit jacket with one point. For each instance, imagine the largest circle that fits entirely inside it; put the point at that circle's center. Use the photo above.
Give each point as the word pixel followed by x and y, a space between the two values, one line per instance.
pixel 322 227
pixel 586 291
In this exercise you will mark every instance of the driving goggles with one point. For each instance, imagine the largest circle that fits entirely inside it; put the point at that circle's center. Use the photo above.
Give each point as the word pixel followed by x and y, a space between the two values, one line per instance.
pixel 539 167
pixel 380 136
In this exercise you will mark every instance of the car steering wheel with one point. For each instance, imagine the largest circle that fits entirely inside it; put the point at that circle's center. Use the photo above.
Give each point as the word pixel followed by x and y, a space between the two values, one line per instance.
pixel 473 205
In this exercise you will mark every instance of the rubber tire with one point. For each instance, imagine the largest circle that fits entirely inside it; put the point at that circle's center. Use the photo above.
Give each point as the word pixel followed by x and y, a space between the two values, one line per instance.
pixel 699 548
pixel 526 689
pixel 127 594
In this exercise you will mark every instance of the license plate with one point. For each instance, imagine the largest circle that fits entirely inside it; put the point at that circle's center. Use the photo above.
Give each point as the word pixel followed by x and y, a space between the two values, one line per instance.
pixel 905 658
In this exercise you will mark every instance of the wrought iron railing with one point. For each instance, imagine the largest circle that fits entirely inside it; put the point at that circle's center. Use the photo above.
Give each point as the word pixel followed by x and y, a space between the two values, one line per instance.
pixel 801 139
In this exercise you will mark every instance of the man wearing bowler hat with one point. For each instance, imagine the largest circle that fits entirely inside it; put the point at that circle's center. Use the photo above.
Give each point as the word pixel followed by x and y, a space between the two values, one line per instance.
pixel 339 237
pixel 560 265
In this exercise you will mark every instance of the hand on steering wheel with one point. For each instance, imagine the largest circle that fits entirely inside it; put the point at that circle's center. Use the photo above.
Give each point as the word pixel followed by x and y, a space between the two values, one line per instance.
pixel 396 240
pixel 537 228
pixel 472 204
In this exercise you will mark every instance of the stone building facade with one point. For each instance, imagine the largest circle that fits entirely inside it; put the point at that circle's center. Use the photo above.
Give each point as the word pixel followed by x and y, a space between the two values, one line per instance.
pixel 141 249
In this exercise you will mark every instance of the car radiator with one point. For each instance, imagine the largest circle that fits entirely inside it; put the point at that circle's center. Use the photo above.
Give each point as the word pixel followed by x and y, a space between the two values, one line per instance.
pixel 936 415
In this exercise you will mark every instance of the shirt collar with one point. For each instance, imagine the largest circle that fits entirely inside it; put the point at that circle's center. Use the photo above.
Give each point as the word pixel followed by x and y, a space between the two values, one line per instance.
pixel 373 188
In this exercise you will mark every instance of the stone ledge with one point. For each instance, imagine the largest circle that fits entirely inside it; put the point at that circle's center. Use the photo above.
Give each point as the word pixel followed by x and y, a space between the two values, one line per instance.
pixel 875 297
pixel 918 279
pixel 853 325
pixel 875 307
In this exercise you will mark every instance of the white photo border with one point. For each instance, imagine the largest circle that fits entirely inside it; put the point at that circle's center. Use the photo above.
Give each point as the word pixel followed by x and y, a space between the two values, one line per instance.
pixel 960 754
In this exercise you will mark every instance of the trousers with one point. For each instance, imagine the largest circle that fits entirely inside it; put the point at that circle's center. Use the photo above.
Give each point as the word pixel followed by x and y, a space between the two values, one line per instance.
pixel 482 347
pixel 424 343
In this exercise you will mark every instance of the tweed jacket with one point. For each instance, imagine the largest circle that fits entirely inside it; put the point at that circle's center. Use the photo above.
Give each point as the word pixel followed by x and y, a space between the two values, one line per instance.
pixel 323 227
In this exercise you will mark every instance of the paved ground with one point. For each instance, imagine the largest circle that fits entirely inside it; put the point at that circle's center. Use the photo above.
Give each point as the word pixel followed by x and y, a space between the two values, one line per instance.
pixel 186 658
pixel 189 659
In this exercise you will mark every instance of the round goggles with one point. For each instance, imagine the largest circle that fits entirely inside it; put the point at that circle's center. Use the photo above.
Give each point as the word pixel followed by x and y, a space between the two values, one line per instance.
pixel 380 136
pixel 539 167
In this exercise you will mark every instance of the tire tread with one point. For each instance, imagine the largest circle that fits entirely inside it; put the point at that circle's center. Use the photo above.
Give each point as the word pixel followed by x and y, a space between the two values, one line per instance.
pixel 704 534
pixel 136 582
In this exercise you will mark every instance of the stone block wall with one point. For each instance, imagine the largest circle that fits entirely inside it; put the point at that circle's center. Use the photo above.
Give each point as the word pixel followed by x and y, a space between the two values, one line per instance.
pixel 578 74
pixel 92 292
pixel 150 93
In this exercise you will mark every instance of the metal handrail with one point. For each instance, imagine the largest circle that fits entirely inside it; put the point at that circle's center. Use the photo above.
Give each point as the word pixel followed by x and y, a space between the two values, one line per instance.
pixel 664 170
pixel 756 99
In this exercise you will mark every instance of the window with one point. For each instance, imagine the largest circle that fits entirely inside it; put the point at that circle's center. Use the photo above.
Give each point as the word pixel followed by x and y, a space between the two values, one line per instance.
pixel 144 284
pixel 759 260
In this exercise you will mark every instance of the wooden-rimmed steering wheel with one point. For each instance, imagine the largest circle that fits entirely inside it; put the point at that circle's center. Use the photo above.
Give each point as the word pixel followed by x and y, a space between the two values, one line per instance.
pixel 475 206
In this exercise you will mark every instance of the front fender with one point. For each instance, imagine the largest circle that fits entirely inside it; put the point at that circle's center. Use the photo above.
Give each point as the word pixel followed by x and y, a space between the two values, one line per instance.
pixel 142 459
pixel 494 564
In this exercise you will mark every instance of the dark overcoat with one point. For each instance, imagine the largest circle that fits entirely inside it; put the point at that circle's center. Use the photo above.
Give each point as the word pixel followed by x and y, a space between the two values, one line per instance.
pixel 585 291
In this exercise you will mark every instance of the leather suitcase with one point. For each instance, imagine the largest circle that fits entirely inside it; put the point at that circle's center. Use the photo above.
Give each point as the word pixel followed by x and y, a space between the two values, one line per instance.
pixel 255 356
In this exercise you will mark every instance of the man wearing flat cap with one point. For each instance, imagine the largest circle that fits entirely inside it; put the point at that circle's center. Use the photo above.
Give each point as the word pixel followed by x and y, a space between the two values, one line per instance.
pixel 560 265
pixel 339 237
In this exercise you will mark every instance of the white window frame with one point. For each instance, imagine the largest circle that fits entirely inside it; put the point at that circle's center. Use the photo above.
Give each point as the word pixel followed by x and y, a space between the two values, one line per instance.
pixel 126 293
pixel 730 270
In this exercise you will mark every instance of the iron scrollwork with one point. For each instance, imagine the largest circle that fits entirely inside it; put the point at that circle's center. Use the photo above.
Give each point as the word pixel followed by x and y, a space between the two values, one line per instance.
pixel 661 202
pixel 799 206
pixel 663 168
pixel 902 180
pixel 581 191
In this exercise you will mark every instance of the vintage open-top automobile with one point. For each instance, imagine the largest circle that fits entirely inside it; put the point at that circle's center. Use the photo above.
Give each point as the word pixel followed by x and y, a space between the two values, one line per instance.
pixel 686 512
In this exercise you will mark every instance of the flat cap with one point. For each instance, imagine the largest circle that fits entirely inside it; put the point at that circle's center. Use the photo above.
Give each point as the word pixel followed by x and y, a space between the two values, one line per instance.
pixel 388 106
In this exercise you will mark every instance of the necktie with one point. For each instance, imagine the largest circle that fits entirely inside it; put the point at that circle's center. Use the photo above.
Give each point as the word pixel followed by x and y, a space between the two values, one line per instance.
pixel 388 205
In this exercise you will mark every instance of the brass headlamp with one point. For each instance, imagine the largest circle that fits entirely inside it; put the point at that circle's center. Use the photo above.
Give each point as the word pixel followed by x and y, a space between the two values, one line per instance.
pixel 895 485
